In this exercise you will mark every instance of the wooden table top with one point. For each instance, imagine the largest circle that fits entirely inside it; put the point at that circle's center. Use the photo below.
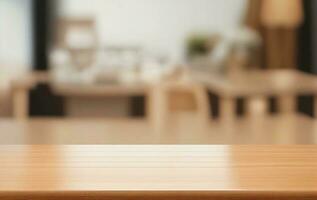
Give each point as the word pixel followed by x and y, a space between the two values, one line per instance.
pixel 259 82
pixel 30 80
pixel 177 129
pixel 157 170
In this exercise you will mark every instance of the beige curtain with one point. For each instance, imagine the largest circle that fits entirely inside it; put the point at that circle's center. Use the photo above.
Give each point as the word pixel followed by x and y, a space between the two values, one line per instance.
pixel 253 19
pixel 278 22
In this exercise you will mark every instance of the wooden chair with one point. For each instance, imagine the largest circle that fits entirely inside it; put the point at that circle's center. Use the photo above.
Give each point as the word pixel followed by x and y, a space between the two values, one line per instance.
pixel 181 94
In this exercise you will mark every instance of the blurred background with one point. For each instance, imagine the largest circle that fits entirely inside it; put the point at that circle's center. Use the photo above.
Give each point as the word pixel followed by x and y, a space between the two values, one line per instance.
pixel 104 58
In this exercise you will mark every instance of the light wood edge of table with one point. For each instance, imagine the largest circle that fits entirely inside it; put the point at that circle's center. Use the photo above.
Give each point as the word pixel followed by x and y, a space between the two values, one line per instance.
pixel 161 194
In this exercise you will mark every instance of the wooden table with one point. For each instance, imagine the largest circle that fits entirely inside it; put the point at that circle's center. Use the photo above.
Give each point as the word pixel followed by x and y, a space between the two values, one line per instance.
pixel 183 128
pixel 23 85
pixel 186 172
pixel 257 86
pixel 82 95
pixel 158 99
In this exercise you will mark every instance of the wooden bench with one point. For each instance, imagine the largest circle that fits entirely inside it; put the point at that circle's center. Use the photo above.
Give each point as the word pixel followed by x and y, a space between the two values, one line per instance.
pixel 257 86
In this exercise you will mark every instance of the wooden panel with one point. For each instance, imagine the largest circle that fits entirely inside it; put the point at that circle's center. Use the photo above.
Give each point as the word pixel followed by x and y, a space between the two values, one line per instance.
pixel 158 172
pixel 180 100
pixel 97 107
pixel 20 100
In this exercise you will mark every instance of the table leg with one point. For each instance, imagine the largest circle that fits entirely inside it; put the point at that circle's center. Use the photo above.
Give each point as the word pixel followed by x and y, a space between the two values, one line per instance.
pixel 227 109
pixel 203 105
pixel 20 104
pixel 315 107
pixel 256 106
pixel 156 106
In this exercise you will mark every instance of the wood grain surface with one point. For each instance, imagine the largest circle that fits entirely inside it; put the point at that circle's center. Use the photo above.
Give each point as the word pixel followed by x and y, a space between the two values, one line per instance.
pixel 158 172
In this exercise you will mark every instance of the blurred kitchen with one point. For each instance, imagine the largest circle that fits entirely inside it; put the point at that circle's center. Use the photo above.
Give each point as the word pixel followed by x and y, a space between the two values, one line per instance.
pixel 158 71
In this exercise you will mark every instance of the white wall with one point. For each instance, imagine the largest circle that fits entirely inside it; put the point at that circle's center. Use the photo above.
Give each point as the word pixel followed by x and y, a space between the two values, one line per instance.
pixel 15 32
pixel 15 45
pixel 158 25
